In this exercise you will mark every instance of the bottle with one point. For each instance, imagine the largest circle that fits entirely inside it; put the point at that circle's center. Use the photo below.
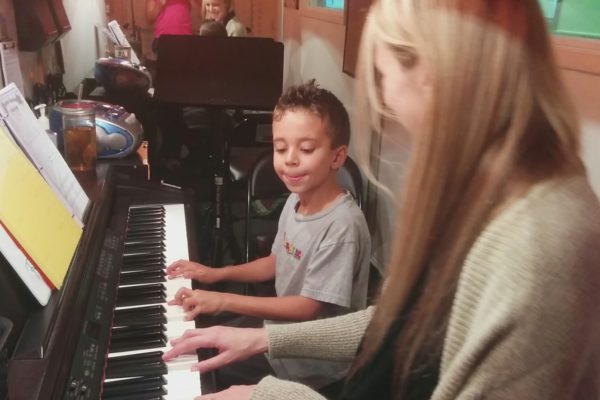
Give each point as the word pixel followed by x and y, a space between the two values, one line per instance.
pixel 44 122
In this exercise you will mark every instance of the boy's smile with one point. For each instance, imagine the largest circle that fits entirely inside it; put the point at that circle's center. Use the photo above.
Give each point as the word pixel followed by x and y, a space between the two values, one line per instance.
pixel 303 157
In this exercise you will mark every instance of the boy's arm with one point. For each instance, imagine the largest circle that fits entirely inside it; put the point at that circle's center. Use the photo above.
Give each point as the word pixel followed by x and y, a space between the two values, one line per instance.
pixel 259 270
pixel 287 308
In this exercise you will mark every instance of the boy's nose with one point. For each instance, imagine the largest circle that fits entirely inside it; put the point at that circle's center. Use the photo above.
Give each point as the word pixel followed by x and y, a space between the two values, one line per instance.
pixel 291 158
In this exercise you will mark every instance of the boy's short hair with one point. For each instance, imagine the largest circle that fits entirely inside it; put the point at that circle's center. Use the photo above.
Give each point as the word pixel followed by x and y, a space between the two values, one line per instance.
pixel 309 96
pixel 211 27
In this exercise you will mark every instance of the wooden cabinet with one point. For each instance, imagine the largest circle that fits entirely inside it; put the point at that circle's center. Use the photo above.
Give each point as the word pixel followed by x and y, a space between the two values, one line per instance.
pixel 39 22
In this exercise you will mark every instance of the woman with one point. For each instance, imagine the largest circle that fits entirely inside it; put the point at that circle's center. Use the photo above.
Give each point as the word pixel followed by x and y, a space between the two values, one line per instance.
pixel 492 285
pixel 170 17
pixel 222 11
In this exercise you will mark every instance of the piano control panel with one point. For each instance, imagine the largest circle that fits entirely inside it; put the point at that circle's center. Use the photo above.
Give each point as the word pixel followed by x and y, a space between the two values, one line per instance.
pixel 88 364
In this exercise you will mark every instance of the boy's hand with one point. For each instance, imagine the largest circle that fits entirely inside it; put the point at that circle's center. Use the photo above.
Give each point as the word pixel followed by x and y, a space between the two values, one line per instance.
pixel 192 270
pixel 232 344
pixel 236 392
pixel 195 302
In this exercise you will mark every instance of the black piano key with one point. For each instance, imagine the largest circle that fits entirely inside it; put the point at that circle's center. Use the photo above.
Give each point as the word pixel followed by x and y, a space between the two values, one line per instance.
pixel 143 267
pixel 139 277
pixel 140 316
pixel 135 331
pixel 159 298
pixel 157 241
pixel 136 216
pixel 150 386
pixel 140 358
pixel 152 226
pixel 140 290
pixel 145 248
pixel 142 396
pixel 142 342
pixel 154 235
pixel 151 369
pixel 144 258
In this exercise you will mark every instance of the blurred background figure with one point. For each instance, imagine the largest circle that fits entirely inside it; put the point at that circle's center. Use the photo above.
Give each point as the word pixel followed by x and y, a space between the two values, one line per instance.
pixel 210 27
pixel 171 17
pixel 222 11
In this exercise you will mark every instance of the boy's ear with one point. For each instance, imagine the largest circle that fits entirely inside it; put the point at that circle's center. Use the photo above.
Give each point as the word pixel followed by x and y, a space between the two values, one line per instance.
pixel 340 157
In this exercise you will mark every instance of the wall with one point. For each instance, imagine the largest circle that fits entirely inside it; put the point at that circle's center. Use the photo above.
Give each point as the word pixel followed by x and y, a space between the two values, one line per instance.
pixel 80 46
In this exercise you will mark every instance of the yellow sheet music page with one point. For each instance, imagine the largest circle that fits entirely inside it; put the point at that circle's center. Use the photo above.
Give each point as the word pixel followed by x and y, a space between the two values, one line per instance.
pixel 33 215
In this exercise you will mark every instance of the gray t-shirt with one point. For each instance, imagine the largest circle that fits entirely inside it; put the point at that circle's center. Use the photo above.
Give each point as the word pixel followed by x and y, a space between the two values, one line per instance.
pixel 323 256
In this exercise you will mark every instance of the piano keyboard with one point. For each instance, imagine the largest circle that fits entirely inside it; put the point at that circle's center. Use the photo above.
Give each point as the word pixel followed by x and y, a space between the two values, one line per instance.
pixel 143 323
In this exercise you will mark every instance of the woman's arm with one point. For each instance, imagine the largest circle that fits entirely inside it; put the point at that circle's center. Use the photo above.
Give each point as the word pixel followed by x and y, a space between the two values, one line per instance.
pixel 153 8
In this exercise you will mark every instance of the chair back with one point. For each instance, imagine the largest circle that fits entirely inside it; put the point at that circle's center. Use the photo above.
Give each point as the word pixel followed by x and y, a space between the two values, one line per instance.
pixel 349 177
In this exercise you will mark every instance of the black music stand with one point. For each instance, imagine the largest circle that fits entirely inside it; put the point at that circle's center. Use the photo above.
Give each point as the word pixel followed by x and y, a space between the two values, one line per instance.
pixel 219 73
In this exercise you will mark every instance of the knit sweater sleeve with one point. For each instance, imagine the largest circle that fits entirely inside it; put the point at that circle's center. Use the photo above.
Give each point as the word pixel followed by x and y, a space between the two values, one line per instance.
pixel 524 319
pixel 334 339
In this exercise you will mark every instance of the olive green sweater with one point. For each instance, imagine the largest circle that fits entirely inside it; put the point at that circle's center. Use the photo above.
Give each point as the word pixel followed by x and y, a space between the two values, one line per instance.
pixel 524 322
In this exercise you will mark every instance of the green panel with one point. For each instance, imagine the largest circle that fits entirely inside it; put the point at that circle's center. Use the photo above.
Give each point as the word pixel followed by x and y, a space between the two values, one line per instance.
pixel 576 17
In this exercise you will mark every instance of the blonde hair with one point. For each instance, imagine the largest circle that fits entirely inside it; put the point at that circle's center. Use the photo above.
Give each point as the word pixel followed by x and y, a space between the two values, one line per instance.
pixel 498 119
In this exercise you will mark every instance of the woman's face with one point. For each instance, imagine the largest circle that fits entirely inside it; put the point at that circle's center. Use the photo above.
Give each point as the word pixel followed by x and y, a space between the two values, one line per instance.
pixel 215 9
pixel 404 89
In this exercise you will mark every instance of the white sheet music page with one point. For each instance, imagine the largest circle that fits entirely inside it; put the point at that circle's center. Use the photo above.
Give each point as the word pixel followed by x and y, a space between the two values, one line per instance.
pixel 11 69
pixel 41 151
pixel 115 29
pixel 27 272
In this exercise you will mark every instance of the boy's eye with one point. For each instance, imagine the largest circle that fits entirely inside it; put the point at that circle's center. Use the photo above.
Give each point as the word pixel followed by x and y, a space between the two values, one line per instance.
pixel 279 150
pixel 307 150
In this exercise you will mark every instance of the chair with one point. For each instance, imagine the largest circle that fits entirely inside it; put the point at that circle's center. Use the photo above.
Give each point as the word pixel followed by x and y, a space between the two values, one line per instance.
pixel 264 184
pixel 349 178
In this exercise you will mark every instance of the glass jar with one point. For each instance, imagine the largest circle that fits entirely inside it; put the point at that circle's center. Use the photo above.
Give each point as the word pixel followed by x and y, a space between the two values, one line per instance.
pixel 79 134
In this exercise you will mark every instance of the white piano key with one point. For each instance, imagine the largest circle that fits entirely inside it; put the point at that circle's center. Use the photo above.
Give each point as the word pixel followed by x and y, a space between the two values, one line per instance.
pixel 182 383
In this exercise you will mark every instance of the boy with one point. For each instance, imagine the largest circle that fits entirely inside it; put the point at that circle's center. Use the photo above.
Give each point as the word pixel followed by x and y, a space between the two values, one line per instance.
pixel 320 255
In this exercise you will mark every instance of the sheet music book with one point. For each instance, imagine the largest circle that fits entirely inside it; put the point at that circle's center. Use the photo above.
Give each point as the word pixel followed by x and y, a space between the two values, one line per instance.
pixel 26 131
pixel 11 69
pixel 34 221
pixel 24 268
pixel 115 29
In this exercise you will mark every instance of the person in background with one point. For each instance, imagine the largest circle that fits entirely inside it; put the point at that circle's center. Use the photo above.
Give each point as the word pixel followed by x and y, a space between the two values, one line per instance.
pixel 320 255
pixel 222 11
pixel 492 286
pixel 171 17
pixel 211 27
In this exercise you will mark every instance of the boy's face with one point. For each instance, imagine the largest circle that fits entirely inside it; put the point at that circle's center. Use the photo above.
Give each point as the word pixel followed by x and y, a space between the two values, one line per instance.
pixel 302 153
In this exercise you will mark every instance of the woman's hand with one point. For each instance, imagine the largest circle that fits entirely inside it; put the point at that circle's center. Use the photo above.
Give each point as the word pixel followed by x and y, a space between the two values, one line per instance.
pixel 232 344
pixel 192 270
pixel 196 302
pixel 232 393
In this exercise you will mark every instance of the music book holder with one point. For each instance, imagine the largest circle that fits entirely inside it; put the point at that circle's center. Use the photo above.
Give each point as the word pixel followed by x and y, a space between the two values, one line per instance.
pixel 219 73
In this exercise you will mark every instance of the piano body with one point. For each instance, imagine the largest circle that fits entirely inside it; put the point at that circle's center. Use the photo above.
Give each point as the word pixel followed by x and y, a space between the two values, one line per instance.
pixel 62 350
